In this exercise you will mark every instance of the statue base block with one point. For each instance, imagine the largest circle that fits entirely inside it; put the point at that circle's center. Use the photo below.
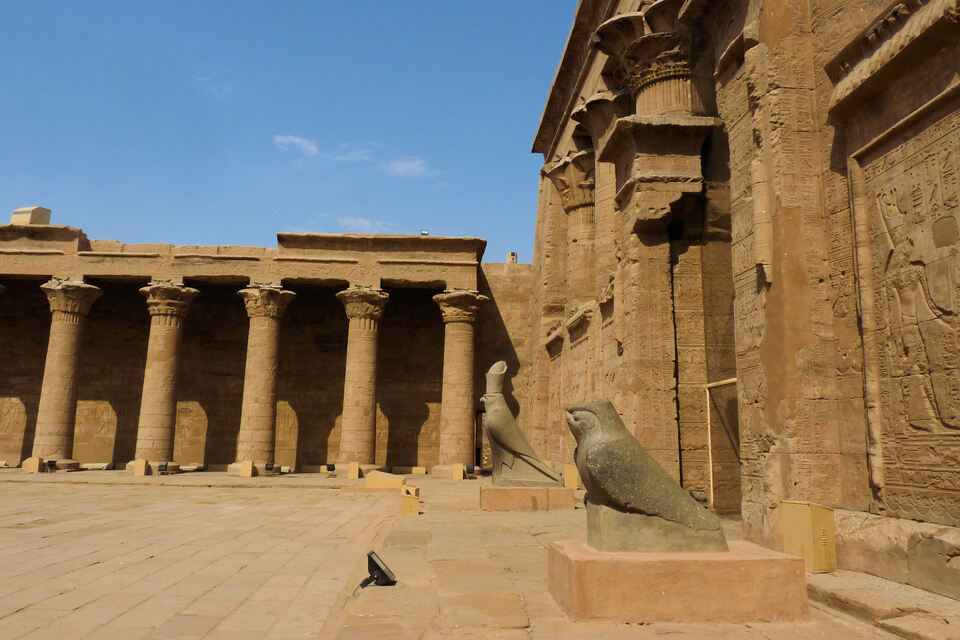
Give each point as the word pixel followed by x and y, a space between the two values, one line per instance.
pixel 525 498
pixel 746 584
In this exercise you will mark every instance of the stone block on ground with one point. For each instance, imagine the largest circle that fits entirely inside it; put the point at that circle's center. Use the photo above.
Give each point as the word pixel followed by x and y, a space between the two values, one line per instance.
pixel 34 465
pixel 246 469
pixel 571 476
pixel 455 471
pixel 352 469
pixel 382 480
pixel 407 490
pixel 409 471
pixel 746 584
pixel 140 467
pixel 409 505
pixel 67 464
pixel 525 498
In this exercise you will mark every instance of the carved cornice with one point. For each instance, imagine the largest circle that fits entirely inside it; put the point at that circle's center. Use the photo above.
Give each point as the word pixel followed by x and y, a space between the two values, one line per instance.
pixel 167 299
pixel 70 297
pixel 573 176
pixel 598 113
pixel 578 318
pixel 363 302
pixel 460 306
pixel 863 62
pixel 266 302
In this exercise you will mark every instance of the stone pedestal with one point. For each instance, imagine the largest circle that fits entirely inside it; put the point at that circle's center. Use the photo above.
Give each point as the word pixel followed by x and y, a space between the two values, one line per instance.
pixel 167 304
pixel 70 303
pixel 256 440
pixel 526 498
pixel 746 584
pixel 457 410
pixel 358 431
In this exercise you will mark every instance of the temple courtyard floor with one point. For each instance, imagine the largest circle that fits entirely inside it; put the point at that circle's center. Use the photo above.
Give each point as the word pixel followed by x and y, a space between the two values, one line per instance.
pixel 101 554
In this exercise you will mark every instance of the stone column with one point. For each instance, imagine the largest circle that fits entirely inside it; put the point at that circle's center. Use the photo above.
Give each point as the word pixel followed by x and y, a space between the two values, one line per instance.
pixel 258 415
pixel 459 309
pixel 573 176
pixel 70 303
pixel 167 304
pixel 358 431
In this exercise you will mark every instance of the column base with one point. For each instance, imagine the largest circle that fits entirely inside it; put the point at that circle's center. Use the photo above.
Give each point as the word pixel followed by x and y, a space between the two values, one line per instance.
pixel 746 584
pixel 141 467
pixel 525 498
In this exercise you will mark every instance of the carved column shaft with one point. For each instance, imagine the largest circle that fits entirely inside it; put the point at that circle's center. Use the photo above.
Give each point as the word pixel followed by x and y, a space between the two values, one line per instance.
pixel 459 309
pixel 573 177
pixel 70 303
pixel 358 431
pixel 167 305
pixel 258 415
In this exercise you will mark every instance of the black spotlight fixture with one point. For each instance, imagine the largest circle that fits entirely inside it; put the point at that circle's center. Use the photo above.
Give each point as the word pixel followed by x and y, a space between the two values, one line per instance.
pixel 51 465
pixel 380 573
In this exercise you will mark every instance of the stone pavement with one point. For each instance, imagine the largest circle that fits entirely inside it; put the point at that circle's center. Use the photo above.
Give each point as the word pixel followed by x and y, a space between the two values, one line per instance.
pixel 100 555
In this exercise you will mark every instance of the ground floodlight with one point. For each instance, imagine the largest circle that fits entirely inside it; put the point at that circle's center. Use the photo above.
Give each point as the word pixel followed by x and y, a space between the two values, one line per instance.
pixel 380 573
pixel 51 465
pixel 162 467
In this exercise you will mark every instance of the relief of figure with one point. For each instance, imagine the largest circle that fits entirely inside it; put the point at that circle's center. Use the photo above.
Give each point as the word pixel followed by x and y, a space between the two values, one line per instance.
pixel 514 461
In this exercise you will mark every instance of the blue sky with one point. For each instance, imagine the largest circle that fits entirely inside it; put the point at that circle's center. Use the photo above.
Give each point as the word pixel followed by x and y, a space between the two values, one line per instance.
pixel 225 122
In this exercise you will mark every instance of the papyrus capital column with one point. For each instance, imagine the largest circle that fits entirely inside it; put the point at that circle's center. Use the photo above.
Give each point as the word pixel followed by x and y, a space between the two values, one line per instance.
pixel 167 304
pixel 258 415
pixel 573 177
pixel 459 310
pixel 70 303
pixel 358 431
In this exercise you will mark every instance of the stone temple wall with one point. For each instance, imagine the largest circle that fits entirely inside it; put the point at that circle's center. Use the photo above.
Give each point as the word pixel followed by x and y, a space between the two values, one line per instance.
pixel 812 255
pixel 431 290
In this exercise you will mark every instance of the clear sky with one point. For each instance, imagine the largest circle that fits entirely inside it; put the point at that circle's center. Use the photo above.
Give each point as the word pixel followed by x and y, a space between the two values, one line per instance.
pixel 225 122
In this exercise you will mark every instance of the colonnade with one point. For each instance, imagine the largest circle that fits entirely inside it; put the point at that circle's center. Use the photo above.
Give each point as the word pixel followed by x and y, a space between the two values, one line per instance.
pixel 168 304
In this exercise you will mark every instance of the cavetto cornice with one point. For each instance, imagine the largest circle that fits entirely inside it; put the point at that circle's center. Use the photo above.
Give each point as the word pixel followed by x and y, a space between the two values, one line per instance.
pixel 571 74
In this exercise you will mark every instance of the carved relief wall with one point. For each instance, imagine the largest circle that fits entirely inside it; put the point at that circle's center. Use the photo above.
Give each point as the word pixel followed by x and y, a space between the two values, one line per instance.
pixel 913 203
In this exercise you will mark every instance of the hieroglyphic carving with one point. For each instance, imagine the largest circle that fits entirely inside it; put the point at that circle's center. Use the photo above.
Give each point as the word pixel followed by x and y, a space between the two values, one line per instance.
pixel 914 201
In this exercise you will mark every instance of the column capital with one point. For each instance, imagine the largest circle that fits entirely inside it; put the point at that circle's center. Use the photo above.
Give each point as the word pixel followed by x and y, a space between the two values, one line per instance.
pixel 363 302
pixel 573 178
pixel 68 296
pixel 167 299
pixel 270 302
pixel 460 306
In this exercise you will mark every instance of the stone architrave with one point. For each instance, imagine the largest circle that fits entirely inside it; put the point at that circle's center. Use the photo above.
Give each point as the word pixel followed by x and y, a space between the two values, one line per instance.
pixel 167 304
pixel 573 176
pixel 70 303
pixel 632 502
pixel 459 310
pixel 257 437
pixel 358 432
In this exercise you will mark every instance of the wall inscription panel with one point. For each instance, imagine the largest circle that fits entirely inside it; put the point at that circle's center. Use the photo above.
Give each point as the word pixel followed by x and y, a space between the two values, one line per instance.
pixel 913 189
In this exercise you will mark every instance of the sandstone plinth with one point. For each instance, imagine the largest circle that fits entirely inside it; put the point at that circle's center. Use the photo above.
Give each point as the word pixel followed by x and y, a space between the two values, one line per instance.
pixel 746 584
pixel 525 498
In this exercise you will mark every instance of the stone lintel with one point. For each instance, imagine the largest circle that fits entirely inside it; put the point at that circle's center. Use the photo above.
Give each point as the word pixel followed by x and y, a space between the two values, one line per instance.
pixel 168 299
pixel 460 306
pixel 71 297
pixel 266 301
pixel 363 302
